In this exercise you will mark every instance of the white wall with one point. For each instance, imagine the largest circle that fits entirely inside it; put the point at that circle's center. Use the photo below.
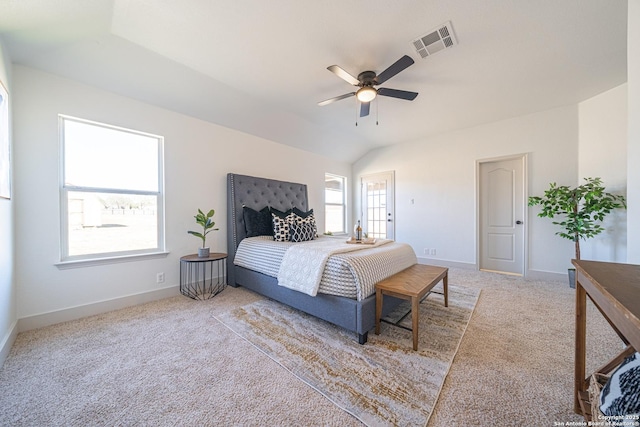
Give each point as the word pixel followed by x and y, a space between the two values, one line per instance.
pixel 7 282
pixel 603 153
pixel 439 173
pixel 198 155
pixel 633 148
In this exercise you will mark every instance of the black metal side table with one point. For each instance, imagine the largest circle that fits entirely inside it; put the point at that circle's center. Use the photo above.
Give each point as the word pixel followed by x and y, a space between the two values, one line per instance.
pixel 202 278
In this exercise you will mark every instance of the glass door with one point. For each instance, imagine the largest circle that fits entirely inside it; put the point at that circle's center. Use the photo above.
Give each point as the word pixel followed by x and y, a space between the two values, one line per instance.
pixel 378 205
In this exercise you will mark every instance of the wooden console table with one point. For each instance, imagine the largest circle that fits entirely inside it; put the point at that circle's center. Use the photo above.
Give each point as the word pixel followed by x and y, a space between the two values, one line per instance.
pixel 615 291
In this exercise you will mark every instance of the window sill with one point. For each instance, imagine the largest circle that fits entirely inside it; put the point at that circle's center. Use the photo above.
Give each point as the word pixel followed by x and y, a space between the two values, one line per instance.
pixel 92 262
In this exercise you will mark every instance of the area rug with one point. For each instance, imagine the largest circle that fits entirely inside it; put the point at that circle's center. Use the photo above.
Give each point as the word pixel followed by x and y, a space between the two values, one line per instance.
pixel 383 382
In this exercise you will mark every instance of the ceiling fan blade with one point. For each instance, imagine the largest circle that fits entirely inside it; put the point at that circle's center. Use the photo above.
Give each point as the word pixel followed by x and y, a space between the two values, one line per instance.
pixel 335 98
pixel 394 69
pixel 364 109
pixel 343 75
pixel 395 93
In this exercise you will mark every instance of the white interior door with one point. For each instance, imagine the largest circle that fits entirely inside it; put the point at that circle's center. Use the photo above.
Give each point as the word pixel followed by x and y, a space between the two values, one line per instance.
pixel 378 205
pixel 502 210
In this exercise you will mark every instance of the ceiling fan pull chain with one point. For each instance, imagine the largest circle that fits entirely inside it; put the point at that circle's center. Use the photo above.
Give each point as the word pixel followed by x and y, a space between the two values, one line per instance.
pixel 356 111
pixel 377 108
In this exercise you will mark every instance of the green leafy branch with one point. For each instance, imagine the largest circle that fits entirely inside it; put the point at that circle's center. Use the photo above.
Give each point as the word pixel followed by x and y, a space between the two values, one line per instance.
pixel 581 208
pixel 207 225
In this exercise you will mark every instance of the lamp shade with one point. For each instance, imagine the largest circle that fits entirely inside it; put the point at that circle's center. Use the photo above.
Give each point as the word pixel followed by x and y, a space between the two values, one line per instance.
pixel 366 94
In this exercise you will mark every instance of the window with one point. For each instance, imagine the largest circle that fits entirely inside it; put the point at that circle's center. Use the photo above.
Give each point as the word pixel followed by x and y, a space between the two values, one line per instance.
pixel 335 207
pixel 112 191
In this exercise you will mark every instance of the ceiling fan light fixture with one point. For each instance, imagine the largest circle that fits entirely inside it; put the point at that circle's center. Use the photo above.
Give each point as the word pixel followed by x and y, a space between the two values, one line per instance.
pixel 366 94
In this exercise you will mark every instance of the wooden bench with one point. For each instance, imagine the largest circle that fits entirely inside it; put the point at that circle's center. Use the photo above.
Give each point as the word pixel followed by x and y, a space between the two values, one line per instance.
pixel 411 284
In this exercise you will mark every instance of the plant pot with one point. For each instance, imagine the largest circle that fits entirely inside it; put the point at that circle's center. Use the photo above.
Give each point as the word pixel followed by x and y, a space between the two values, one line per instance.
pixel 203 252
pixel 572 277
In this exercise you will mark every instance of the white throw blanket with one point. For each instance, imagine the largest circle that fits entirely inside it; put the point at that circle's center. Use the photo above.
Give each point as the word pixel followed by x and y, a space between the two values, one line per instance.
pixel 302 265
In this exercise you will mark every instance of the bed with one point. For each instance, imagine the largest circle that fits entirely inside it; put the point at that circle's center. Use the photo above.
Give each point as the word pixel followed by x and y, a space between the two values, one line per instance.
pixel 353 314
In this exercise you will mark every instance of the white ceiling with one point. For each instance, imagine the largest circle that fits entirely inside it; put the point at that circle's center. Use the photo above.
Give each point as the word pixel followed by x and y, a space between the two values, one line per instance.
pixel 260 66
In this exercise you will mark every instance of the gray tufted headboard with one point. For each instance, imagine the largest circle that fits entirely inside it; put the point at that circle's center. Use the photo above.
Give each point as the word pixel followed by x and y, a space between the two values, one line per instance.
pixel 256 193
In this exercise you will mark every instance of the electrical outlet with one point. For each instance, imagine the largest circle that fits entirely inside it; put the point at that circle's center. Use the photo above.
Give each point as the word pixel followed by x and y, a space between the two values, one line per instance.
pixel 160 278
pixel 426 251
pixel 433 252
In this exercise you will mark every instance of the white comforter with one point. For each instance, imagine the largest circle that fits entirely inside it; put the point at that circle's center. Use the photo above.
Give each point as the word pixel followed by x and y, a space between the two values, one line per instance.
pixel 302 265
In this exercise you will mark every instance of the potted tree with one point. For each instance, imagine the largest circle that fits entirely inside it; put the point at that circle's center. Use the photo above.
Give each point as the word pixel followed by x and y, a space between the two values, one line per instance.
pixel 581 210
pixel 207 226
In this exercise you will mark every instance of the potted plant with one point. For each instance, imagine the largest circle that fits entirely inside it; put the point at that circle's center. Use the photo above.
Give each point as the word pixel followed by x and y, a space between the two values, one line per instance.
pixel 207 226
pixel 581 209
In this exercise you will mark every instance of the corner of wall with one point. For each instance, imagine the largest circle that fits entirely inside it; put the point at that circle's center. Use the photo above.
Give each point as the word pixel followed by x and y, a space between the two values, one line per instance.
pixel 8 311
pixel 7 342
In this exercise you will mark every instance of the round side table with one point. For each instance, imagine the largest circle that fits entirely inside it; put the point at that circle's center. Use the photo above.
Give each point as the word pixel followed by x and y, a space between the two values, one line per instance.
pixel 202 278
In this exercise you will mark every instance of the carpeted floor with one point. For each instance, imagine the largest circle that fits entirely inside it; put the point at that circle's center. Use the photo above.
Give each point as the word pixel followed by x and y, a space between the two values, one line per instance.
pixel 171 363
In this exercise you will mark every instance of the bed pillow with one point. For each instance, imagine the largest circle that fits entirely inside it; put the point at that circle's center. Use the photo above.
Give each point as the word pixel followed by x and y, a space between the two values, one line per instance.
pixel 621 395
pixel 301 232
pixel 257 223
pixel 301 213
pixel 306 218
pixel 281 222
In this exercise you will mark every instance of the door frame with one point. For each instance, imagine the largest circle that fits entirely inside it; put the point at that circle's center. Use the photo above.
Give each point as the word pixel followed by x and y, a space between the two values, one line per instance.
pixel 524 157
pixel 391 206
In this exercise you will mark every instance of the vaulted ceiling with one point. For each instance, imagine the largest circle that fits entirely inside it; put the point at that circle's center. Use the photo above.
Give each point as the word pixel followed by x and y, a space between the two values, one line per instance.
pixel 261 66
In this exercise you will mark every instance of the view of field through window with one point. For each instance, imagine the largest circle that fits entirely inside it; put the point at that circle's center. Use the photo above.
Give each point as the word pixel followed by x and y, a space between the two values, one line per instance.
pixel 111 189
pixel 106 222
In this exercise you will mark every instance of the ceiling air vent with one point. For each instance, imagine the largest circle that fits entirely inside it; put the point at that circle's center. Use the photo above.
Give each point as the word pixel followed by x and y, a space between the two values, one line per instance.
pixel 435 40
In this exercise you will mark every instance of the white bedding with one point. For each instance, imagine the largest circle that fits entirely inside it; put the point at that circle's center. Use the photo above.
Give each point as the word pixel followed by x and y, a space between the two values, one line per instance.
pixel 302 265
pixel 352 274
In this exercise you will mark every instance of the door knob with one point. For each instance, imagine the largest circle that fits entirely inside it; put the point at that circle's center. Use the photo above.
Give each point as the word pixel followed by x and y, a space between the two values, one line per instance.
pixel 518 222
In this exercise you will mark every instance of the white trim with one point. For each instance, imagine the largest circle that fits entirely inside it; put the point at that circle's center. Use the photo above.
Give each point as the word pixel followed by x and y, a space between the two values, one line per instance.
pixel 391 194
pixel 92 262
pixel 524 157
pixel 78 312
pixel 547 276
pixel 7 342
pixel 447 263
pixel 65 189
pixel 343 204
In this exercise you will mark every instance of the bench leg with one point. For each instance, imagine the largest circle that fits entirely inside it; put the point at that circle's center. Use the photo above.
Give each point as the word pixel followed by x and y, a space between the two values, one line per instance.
pixel 378 310
pixel 415 310
pixel 445 285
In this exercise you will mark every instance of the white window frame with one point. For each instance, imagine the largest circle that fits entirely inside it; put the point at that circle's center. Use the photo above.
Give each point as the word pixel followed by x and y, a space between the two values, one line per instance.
pixel 67 261
pixel 343 204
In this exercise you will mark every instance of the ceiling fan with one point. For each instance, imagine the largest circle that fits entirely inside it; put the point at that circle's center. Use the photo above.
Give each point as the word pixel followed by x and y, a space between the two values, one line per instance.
pixel 367 80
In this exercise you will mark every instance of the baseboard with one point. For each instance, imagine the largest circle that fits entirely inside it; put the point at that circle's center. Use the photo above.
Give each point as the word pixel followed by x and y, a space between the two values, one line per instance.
pixel 548 276
pixel 74 313
pixel 447 263
pixel 7 343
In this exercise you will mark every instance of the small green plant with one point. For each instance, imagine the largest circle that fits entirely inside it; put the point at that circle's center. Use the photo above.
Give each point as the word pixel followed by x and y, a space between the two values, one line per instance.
pixel 207 225
pixel 581 208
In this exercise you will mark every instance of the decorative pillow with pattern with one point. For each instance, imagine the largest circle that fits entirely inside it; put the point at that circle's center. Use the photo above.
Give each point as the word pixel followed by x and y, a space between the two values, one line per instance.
pixel 301 232
pixel 306 218
pixel 621 395
pixel 281 222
